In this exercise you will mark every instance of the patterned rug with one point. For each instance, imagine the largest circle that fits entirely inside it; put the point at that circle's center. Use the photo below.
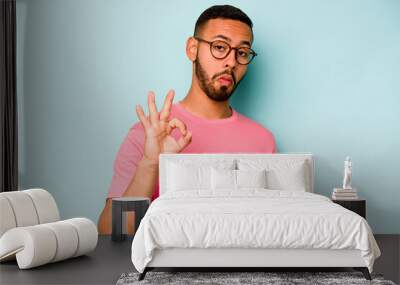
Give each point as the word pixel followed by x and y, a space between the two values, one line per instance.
pixel 269 278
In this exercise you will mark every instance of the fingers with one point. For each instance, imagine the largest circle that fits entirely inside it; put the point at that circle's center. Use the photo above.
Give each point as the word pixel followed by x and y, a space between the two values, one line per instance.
pixel 169 129
pixel 154 117
pixel 166 110
pixel 145 121
pixel 151 100
pixel 176 123
pixel 185 140
pixel 186 137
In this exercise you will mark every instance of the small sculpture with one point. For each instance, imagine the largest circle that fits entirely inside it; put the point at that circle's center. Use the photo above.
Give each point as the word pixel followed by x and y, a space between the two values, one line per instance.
pixel 347 174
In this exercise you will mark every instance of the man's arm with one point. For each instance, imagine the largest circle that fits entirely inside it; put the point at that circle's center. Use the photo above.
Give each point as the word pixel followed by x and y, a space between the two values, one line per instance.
pixel 157 128
pixel 144 180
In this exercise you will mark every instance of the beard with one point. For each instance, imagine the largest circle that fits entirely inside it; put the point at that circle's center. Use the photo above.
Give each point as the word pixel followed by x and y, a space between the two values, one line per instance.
pixel 206 84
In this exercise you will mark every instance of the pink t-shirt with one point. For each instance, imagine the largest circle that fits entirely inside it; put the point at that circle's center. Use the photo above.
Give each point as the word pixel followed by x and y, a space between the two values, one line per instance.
pixel 236 134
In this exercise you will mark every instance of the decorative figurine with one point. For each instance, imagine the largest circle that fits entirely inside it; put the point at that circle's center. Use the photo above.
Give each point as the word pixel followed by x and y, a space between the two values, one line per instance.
pixel 347 174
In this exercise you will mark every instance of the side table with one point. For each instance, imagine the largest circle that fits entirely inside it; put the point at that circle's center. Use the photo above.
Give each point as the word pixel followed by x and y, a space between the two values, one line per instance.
pixel 358 206
pixel 124 204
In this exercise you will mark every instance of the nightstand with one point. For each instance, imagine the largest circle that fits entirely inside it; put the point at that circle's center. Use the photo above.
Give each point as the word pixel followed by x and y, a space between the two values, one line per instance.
pixel 125 204
pixel 357 206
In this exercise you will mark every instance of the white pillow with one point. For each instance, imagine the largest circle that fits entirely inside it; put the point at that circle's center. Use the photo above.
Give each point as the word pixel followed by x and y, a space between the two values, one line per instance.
pixel 185 175
pixel 251 178
pixel 223 179
pixel 281 174
pixel 236 179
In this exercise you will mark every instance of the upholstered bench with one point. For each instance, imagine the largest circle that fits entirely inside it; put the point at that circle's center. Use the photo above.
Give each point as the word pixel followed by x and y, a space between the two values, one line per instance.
pixel 31 231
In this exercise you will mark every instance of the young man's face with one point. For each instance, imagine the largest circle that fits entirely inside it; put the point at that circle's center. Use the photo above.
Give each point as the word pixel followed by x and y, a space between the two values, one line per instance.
pixel 218 78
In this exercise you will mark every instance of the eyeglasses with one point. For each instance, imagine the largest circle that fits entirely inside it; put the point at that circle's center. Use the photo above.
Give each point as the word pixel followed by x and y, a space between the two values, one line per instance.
pixel 220 50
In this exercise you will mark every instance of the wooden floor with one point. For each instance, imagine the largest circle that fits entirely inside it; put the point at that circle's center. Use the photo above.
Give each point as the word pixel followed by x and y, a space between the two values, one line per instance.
pixel 389 262
pixel 110 259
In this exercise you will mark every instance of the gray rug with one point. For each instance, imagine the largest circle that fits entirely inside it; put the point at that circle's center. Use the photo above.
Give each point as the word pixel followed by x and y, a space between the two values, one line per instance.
pixel 229 278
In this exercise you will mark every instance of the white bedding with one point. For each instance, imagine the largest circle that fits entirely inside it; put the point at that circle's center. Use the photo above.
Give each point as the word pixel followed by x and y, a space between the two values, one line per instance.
pixel 250 218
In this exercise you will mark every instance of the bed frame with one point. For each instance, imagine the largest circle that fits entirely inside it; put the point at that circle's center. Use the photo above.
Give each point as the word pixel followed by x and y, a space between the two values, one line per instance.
pixel 241 259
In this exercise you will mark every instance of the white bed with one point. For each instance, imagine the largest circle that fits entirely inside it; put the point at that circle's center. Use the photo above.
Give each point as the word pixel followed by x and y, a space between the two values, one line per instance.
pixel 200 220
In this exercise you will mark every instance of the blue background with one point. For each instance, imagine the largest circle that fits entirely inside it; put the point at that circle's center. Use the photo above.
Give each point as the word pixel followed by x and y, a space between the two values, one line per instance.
pixel 326 81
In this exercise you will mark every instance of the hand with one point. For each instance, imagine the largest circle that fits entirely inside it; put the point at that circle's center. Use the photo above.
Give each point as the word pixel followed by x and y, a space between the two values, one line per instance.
pixel 158 129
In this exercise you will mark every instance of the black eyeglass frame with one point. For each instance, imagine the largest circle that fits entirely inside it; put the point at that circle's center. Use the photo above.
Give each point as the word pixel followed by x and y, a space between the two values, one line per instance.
pixel 252 52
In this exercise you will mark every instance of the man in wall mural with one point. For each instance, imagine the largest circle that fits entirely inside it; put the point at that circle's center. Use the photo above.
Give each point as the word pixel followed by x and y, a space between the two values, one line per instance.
pixel 203 122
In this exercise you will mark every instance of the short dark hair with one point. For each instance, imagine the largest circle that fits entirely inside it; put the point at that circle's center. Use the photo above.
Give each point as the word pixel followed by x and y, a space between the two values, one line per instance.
pixel 224 12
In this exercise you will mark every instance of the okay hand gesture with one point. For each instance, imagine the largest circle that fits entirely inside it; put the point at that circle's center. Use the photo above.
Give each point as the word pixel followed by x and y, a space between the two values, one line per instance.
pixel 158 129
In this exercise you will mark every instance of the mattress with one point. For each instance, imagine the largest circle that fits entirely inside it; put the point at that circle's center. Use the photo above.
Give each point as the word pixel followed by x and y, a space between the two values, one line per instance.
pixel 252 219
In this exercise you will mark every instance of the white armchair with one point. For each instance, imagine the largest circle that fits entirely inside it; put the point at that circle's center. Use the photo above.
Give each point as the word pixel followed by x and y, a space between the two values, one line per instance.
pixel 31 231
